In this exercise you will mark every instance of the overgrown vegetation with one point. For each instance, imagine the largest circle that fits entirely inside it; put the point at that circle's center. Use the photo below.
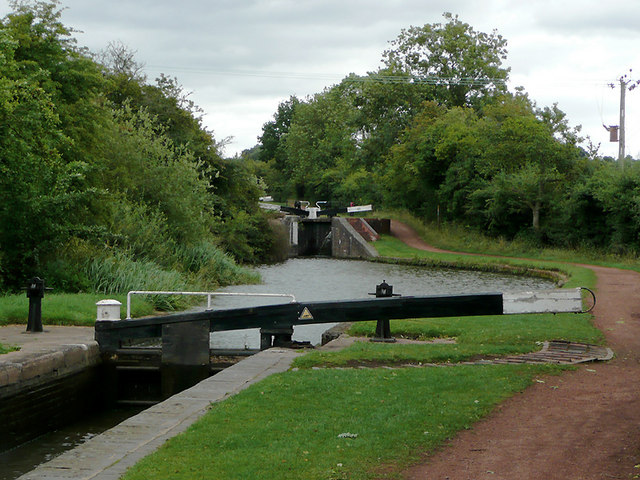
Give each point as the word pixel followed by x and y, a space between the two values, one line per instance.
pixel 108 182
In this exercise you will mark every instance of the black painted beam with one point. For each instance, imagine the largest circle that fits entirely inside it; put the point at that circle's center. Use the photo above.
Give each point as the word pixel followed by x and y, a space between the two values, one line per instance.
pixel 109 334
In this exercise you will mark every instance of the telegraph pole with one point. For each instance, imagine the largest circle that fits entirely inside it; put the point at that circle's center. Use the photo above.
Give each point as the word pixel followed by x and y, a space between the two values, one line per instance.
pixel 624 84
pixel 623 90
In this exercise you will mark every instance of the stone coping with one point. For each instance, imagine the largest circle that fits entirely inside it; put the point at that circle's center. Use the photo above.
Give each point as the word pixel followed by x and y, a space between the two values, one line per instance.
pixel 56 351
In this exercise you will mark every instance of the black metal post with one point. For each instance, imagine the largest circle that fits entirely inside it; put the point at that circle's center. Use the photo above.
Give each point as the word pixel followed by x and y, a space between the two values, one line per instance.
pixel 35 293
pixel 383 328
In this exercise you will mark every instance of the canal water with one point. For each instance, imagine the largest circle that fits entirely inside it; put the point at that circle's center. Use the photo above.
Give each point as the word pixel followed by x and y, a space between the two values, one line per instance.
pixel 308 279
pixel 24 458
pixel 317 279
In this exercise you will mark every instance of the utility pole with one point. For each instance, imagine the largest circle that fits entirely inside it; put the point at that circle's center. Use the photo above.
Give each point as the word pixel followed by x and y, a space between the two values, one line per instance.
pixel 623 90
pixel 624 83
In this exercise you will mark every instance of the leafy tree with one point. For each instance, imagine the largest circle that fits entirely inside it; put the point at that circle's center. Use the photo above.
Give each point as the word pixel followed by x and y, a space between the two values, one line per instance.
pixel 320 135
pixel 99 168
pixel 462 66
pixel 47 105
pixel 614 198
pixel 384 108
pixel 272 152
pixel 413 173
pixel 524 160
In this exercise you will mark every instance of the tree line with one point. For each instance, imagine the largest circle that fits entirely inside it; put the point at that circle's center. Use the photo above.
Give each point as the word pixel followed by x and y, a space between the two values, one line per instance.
pixel 436 131
pixel 104 174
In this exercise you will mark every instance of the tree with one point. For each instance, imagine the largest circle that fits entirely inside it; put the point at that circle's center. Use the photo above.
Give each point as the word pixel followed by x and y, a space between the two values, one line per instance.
pixel 462 66
pixel 419 168
pixel 48 109
pixel 385 106
pixel 272 152
pixel 524 161
pixel 320 137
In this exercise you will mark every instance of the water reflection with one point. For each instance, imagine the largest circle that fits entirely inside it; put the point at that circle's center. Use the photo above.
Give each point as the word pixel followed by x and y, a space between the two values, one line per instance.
pixel 317 279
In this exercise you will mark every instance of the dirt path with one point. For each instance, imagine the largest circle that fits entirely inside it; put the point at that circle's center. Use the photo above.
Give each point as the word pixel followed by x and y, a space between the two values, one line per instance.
pixel 582 425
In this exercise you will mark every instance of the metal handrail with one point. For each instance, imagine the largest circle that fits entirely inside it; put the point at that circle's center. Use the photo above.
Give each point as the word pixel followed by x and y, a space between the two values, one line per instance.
pixel 208 295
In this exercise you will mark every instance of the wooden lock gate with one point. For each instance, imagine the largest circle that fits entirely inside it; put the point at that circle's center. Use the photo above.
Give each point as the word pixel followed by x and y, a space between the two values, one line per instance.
pixel 184 356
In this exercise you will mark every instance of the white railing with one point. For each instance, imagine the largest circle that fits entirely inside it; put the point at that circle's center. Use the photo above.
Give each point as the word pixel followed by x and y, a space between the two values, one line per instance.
pixel 207 294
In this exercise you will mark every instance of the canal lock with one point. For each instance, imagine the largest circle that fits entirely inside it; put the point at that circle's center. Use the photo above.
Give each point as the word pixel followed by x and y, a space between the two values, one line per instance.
pixel 45 417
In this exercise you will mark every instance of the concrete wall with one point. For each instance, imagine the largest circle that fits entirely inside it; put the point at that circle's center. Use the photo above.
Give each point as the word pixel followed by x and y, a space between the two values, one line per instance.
pixel 347 242
pixel 291 222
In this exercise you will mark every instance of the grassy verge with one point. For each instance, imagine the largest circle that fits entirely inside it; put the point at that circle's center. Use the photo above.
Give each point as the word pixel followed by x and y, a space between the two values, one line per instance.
pixel 7 349
pixel 475 337
pixel 289 426
pixel 460 239
pixel 393 250
pixel 64 309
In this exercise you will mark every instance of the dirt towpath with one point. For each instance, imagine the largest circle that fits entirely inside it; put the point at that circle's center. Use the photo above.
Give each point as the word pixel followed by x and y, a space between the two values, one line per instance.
pixel 581 425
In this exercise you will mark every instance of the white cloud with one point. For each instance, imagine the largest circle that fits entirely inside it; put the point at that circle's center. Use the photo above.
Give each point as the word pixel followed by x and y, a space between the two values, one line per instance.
pixel 242 57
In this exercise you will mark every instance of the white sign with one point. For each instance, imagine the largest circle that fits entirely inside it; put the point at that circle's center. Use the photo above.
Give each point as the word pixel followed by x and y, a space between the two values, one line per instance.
pixel 360 208
pixel 269 206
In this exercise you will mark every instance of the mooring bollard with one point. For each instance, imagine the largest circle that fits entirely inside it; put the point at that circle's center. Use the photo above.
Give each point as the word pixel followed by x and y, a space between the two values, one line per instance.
pixel 383 328
pixel 35 293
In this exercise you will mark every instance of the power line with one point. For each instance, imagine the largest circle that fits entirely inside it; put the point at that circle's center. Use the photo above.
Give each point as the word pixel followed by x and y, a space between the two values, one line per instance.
pixel 392 79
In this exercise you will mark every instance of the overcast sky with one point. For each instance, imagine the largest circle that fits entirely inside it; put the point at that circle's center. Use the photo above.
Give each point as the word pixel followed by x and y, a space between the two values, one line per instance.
pixel 241 58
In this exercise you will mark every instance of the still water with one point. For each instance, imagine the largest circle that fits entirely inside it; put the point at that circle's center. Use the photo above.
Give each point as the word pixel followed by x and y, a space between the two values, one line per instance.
pixel 24 458
pixel 317 279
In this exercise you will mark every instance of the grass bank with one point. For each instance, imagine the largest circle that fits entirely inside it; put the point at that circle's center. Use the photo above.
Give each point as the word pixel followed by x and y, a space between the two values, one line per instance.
pixel 318 422
pixel 393 250
pixel 474 337
pixel 335 424
pixel 459 239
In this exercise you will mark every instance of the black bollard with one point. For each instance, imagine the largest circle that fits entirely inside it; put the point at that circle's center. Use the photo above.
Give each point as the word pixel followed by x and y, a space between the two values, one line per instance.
pixel 35 294
pixel 383 328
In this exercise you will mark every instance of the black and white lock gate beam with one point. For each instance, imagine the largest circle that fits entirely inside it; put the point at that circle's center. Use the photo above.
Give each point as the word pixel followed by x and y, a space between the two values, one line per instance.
pixel 111 334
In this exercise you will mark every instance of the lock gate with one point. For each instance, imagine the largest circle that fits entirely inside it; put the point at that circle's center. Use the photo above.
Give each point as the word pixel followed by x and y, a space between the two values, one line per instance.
pixel 181 356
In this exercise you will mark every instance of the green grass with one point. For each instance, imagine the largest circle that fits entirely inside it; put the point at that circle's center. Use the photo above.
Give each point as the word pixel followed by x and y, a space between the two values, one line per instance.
pixel 476 337
pixel 393 250
pixel 460 239
pixel 288 426
pixel 65 308
pixel 7 348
